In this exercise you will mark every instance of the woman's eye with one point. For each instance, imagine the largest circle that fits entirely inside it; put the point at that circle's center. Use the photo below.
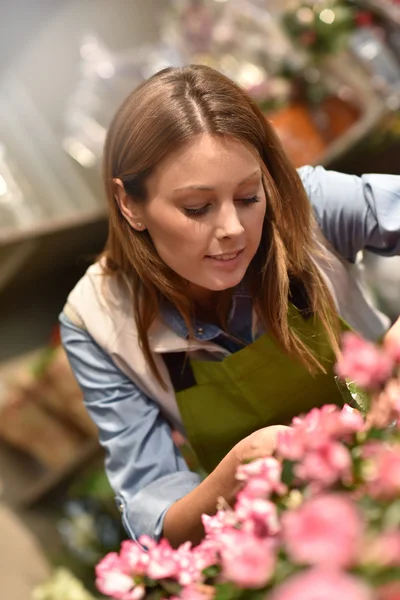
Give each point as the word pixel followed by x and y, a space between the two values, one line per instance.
pixel 252 200
pixel 193 212
pixel 197 212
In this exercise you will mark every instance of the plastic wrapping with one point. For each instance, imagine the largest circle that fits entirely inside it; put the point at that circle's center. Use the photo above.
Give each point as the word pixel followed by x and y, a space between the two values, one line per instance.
pixel 378 59
pixel 16 209
pixel 105 79
pixel 42 189
pixel 240 38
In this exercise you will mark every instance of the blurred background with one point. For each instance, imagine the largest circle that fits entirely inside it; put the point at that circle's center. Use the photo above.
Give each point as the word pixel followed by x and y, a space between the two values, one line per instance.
pixel 326 74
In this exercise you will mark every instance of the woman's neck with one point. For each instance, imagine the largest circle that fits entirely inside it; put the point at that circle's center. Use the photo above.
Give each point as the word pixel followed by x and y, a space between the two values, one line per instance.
pixel 203 298
pixel 212 307
pixel 207 314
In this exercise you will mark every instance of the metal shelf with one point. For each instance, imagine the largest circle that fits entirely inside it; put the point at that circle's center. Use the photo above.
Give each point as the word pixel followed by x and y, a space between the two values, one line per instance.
pixel 19 235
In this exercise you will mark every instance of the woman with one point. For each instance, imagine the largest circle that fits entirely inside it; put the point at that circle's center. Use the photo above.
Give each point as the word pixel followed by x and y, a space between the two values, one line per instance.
pixel 217 305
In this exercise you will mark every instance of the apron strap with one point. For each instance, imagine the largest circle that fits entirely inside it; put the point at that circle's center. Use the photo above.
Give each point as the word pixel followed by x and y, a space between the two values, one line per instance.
pixel 180 370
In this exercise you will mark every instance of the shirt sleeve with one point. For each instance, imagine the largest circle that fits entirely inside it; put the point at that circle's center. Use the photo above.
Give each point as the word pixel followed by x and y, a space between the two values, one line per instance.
pixel 144 467
pixel 355 213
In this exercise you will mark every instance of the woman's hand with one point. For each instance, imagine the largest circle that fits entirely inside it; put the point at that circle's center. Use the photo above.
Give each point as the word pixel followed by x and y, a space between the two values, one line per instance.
pixel 258 444
pixel 384 406
pixel 393 335
pixel 182 520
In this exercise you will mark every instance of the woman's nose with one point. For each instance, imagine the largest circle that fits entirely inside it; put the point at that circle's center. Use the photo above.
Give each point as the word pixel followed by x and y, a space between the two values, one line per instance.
pixel 229 224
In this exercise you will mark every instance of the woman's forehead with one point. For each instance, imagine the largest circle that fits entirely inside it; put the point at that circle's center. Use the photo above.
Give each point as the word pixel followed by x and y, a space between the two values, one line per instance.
pixel 206 162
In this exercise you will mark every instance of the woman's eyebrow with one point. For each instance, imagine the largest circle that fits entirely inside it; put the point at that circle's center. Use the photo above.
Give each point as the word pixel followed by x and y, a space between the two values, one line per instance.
pixel 208 188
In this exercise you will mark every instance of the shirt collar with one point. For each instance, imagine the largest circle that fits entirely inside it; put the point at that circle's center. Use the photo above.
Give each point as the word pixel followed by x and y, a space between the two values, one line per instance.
pixel 202 331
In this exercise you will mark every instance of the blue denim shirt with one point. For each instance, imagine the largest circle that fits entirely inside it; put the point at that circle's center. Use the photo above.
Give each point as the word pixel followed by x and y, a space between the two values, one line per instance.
pixel 144 467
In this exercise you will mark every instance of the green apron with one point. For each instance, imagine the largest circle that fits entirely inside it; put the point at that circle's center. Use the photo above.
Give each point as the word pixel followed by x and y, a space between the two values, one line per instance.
pixel 223 402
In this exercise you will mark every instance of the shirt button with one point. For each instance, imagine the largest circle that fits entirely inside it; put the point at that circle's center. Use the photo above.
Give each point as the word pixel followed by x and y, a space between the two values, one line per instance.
pixel 200 331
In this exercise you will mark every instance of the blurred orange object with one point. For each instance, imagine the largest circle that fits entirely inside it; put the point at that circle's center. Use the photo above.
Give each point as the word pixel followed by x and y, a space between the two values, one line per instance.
pixel 301 140
pixel 335 117
pixel 57 390
pixel 26 425
pixel 42 410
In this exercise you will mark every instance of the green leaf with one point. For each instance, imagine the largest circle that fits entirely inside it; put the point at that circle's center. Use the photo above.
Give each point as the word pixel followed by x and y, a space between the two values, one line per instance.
pixel 226 591
pixel 391 519
pixel 155 594
pixel 149 583
pixel 172 587
pixel 93 483
pixel 372 510
pixel 288 472
pixel 283 570
pixel 211 572
pixel 253 594
pixel 41 364
pixel 391 575
pixel 360 398
pixel 377 434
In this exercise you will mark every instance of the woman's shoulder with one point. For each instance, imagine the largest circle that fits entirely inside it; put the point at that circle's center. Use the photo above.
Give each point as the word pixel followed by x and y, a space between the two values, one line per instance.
pixel 100 303
pixel 100 286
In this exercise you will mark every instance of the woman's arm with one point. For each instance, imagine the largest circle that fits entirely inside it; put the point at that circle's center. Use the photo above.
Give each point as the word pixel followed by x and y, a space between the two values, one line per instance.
pixel 183 519
pixel 155 491
pixel 356 213
pixel 144 467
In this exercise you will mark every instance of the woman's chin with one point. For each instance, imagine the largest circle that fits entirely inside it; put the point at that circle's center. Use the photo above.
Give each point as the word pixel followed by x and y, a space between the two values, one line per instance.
pixel 218 281
pixel 225 283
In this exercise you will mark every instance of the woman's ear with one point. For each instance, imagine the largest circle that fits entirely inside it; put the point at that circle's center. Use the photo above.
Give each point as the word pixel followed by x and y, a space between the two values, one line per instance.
pixel 130 210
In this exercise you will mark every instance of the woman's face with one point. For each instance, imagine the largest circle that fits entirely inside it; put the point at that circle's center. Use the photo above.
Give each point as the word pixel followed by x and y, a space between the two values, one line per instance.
pixel 205 212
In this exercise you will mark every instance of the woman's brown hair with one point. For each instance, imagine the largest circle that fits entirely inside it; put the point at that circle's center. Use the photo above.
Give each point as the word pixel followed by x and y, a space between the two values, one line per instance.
pixel 157 118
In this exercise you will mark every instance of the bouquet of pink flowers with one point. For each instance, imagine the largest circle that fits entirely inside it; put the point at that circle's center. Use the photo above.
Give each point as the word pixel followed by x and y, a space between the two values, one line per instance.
pixel 320 519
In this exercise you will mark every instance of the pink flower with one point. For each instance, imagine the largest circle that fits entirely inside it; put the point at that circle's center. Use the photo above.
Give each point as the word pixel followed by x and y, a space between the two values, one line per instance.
pixel 258 487
pixel 351 420
pixel 112 579
pixel 384 550
pixel 389 548
pixel 323 584
pixel 133 558
pixel 137 593
pixel 310 423
pixel 291 444
pixel 257 515
pixel 205 554
pixel 162 563
pixel 268 470
pixel 316 427
pixel 326 530
pixel 214 525
pixel 390 591
pixel 185 565
pixel 326 464
pixel 193 592
pixel 363 362
pixel 382 472
pixel 147 542
pixel 190 564
pixel 246 560
pixel 338 423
